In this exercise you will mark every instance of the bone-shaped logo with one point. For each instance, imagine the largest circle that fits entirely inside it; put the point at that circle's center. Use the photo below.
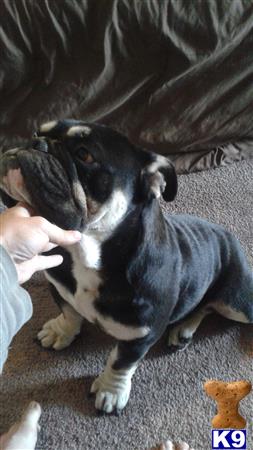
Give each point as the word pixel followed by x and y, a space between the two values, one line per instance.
pixel 228 396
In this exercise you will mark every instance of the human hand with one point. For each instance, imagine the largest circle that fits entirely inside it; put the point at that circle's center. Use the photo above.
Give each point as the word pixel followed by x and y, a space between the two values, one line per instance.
pixel 23 434
pixel 25 237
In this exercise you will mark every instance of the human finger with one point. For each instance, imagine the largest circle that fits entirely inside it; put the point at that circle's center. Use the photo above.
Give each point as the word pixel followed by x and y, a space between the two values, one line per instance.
pixel 41 262
pixel 59 236
pixel 26 269
pixel 49 246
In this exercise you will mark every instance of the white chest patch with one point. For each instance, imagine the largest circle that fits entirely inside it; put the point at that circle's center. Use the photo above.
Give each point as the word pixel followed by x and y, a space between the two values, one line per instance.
pixel 86 266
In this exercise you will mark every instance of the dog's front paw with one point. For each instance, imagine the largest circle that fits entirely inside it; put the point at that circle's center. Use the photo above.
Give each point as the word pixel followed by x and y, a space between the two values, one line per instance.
pixel 57 333
pixel 111 395
pixel 180 337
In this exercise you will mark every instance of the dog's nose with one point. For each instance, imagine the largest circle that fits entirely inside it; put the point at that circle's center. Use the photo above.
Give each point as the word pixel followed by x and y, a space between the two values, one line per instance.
pixel 39 143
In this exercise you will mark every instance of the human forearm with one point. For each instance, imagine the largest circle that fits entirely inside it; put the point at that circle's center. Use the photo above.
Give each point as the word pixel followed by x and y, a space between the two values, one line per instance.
pixel 15 304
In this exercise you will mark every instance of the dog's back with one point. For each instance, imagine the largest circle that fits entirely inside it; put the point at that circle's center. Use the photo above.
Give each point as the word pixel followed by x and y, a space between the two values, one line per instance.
pixel 211 266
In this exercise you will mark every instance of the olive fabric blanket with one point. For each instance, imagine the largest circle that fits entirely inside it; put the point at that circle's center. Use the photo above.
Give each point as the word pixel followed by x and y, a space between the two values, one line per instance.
pixel 175 76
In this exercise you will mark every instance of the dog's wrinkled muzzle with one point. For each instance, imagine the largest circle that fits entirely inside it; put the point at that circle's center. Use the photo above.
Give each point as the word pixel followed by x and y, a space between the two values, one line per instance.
pixel 39 179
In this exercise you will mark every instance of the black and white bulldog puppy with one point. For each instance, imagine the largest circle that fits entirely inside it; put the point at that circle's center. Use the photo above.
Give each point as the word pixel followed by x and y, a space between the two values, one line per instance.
pixel 135 271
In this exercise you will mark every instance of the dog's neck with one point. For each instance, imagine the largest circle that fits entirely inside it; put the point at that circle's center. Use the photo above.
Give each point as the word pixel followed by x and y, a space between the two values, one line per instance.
pixel 115 237
pixel 103 224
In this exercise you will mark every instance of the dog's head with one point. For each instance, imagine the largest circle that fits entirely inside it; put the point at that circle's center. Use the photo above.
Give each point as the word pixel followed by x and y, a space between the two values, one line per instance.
pixel 77 175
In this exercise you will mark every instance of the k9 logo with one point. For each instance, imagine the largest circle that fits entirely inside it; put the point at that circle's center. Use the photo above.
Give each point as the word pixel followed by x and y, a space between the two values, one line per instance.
pixel 229 439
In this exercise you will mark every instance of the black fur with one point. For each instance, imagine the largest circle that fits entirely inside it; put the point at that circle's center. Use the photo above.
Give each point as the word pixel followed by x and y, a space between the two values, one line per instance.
pixel 155 270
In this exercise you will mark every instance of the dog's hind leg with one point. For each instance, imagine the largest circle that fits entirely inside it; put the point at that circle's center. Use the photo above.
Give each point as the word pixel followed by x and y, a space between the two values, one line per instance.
pixel 236 302
pixel 181 335
pixel 231 313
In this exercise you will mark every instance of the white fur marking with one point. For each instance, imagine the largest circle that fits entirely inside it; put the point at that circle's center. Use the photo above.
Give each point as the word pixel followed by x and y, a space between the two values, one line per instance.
pixel 157 181
pixel 79 194
pixel 112 387
pixel 86 263
pixel 110 214
pixel 187 328
pixel 48 126
pixel 160 162
pixel 78 129
pixel 86 266
pixel 230 313
pixel 60 332
pixel 86 253
pixel 83 303
pixel 121 331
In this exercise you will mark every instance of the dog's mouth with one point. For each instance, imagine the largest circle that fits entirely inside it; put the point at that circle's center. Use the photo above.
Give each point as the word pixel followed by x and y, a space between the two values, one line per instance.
pixel 47 183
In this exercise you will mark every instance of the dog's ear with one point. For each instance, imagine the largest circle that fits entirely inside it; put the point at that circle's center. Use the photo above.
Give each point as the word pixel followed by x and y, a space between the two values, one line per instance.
pixel 145 269
pixel 159 178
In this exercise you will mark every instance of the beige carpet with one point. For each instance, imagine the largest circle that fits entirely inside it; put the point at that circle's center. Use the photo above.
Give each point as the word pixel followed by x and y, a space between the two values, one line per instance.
pixel 167 397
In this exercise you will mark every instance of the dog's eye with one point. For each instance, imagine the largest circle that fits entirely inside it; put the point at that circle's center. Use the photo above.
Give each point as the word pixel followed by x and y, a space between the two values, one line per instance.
pixel 85 156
